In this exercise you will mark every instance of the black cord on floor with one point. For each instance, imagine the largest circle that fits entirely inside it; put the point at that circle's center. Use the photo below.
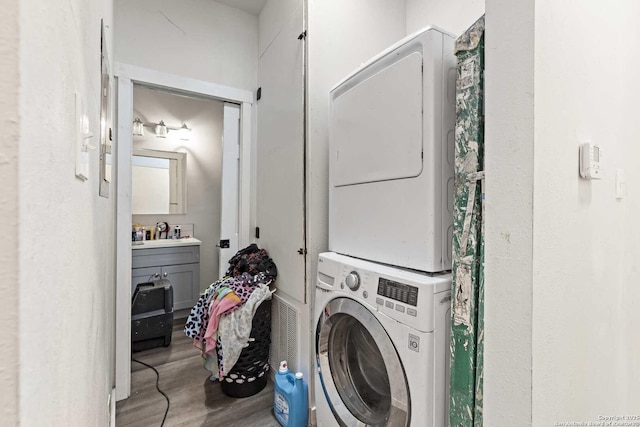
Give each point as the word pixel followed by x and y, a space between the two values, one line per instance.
pixel 157 388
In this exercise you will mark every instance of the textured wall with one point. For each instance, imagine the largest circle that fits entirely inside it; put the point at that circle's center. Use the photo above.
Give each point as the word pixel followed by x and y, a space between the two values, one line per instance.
pixel 200 39
pixel 9 142
pixel 204 164
pixel 274 16
pixel 586 346
pixel 454 16
pixel 509 165
pixel 561 270
pixel 66 252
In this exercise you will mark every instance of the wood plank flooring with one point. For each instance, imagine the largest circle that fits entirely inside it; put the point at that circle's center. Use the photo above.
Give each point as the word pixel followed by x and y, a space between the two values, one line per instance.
pixel 195 399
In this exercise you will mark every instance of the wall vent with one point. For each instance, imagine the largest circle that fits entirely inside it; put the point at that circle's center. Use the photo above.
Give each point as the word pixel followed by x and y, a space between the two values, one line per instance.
pixel 284 334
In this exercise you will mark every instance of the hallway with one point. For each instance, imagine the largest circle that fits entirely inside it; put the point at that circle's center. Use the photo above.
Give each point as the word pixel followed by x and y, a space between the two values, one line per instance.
pixel 195 400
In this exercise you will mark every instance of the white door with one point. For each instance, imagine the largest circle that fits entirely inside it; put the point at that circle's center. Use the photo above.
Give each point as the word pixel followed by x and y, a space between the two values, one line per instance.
pixel 280 157
pixel 228 245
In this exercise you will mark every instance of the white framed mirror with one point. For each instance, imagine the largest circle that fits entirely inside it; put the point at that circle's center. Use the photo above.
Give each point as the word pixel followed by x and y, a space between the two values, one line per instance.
pixel 158 182
pixel 105 118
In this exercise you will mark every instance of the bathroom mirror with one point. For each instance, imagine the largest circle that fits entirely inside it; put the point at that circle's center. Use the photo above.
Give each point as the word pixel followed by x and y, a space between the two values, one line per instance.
pixel 158 182
pixel 105 118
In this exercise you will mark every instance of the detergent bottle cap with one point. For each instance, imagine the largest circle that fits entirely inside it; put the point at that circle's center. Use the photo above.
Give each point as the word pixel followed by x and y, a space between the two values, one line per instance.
pixel 299 375
pixel 283 366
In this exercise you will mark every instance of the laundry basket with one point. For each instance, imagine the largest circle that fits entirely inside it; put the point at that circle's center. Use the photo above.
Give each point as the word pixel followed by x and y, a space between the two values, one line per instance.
pixel 249 375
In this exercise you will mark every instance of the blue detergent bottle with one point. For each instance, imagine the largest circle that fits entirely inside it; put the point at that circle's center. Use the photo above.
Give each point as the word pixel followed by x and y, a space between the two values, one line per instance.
pixel 290 399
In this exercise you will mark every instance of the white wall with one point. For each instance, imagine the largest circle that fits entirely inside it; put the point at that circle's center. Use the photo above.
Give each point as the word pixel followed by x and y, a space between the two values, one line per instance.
pixel 274 16
pixel 509 166
pixel 454 16
pixel 204 164
pixel 201 39
pixel 586 342
pixel 66 251
pixel 9 143
pixel 561 270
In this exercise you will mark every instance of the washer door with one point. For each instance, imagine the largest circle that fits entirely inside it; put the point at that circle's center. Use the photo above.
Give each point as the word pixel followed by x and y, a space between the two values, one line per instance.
pixel 360 370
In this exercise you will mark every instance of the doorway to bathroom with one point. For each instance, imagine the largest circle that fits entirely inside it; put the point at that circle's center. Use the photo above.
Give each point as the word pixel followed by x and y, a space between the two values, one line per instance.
pixel 153 97
pixel 185 171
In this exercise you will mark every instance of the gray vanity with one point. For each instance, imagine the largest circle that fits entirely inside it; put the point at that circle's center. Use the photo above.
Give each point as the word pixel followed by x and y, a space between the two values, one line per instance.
pixel 175 260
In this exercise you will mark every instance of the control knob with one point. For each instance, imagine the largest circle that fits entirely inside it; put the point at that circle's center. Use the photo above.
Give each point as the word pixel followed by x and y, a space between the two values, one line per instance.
pixel 353 280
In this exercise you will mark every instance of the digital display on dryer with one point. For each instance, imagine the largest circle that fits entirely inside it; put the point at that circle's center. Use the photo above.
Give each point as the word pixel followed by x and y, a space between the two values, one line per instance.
pixel 398 291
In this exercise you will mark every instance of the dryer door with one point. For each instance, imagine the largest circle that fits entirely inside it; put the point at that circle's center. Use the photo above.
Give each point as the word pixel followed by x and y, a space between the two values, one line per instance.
pixel 360 370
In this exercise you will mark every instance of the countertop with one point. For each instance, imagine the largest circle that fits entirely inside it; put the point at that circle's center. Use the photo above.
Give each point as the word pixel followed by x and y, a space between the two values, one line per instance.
pixel 165 243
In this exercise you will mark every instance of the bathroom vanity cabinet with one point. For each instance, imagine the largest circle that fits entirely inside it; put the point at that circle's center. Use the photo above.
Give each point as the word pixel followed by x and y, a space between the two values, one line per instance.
pixel 177 262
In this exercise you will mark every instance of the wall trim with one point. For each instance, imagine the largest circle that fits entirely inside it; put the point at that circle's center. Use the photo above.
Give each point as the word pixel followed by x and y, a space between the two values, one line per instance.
pixel 155 78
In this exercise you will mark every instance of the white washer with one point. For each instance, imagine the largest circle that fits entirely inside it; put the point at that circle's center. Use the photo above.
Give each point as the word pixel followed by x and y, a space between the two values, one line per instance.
pixel 391 155
pixel 381 345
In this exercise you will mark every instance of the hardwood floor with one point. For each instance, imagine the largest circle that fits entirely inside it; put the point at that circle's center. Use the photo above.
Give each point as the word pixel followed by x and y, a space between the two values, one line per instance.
pixel 195 400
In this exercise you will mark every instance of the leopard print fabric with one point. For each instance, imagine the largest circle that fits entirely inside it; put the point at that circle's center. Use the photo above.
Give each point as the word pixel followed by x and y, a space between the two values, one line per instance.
pixel 199 315
pixel 198 319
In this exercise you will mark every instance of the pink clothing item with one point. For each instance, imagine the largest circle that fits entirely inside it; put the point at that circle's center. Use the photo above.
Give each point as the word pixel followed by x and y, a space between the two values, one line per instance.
pixel 218 308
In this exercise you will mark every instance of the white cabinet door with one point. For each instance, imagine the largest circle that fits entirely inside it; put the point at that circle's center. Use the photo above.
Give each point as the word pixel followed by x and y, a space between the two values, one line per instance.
pixel 280 156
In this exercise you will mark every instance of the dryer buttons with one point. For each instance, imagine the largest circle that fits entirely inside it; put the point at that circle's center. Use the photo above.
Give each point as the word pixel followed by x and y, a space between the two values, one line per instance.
pixel 414 343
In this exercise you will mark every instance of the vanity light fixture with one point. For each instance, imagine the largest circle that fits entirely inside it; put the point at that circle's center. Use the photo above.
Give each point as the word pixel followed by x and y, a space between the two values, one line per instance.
pixel 184 132
pixel 161 129
pixel 138 127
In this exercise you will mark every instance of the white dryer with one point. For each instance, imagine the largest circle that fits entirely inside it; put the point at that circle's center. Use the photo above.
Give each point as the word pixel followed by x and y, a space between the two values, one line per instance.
pixel 382 345
pixel 391 150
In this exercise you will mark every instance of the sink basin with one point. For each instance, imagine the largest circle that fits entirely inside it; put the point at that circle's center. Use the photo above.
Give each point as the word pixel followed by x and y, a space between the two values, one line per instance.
pixel 165 243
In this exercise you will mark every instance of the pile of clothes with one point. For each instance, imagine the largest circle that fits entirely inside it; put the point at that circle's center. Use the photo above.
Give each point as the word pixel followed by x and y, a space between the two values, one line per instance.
pixel 220 323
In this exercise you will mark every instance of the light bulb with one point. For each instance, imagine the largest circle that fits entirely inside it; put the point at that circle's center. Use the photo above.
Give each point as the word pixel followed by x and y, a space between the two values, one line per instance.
pixel 184 132
pixel 138 127
pixel 161 130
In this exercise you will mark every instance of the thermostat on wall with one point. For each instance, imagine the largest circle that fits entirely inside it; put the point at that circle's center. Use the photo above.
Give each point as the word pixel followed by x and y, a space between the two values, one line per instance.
pixel 590 161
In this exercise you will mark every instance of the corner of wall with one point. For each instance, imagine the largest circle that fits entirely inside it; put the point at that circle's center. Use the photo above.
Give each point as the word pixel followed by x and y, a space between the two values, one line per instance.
pixel 509 142
pixel 9 156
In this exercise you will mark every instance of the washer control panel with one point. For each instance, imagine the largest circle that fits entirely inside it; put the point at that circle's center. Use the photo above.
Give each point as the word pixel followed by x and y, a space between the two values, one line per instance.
pixel 403 295
pixel 398 291
pixel 353 280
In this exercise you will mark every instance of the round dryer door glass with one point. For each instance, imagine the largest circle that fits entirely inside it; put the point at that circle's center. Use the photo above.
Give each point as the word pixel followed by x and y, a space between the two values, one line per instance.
pixel 360 369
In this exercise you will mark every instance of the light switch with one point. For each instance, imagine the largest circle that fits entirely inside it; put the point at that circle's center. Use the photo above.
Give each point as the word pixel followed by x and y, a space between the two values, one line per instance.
pixel 82 140
pixel 82 156
pixel 621 184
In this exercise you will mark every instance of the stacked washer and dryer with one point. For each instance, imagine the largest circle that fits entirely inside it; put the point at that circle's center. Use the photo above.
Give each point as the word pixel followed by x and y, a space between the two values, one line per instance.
pixel 383 293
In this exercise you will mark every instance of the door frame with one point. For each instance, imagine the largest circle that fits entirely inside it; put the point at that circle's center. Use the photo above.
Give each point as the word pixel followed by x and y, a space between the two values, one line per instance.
pixel 126 76
pixel 229 180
